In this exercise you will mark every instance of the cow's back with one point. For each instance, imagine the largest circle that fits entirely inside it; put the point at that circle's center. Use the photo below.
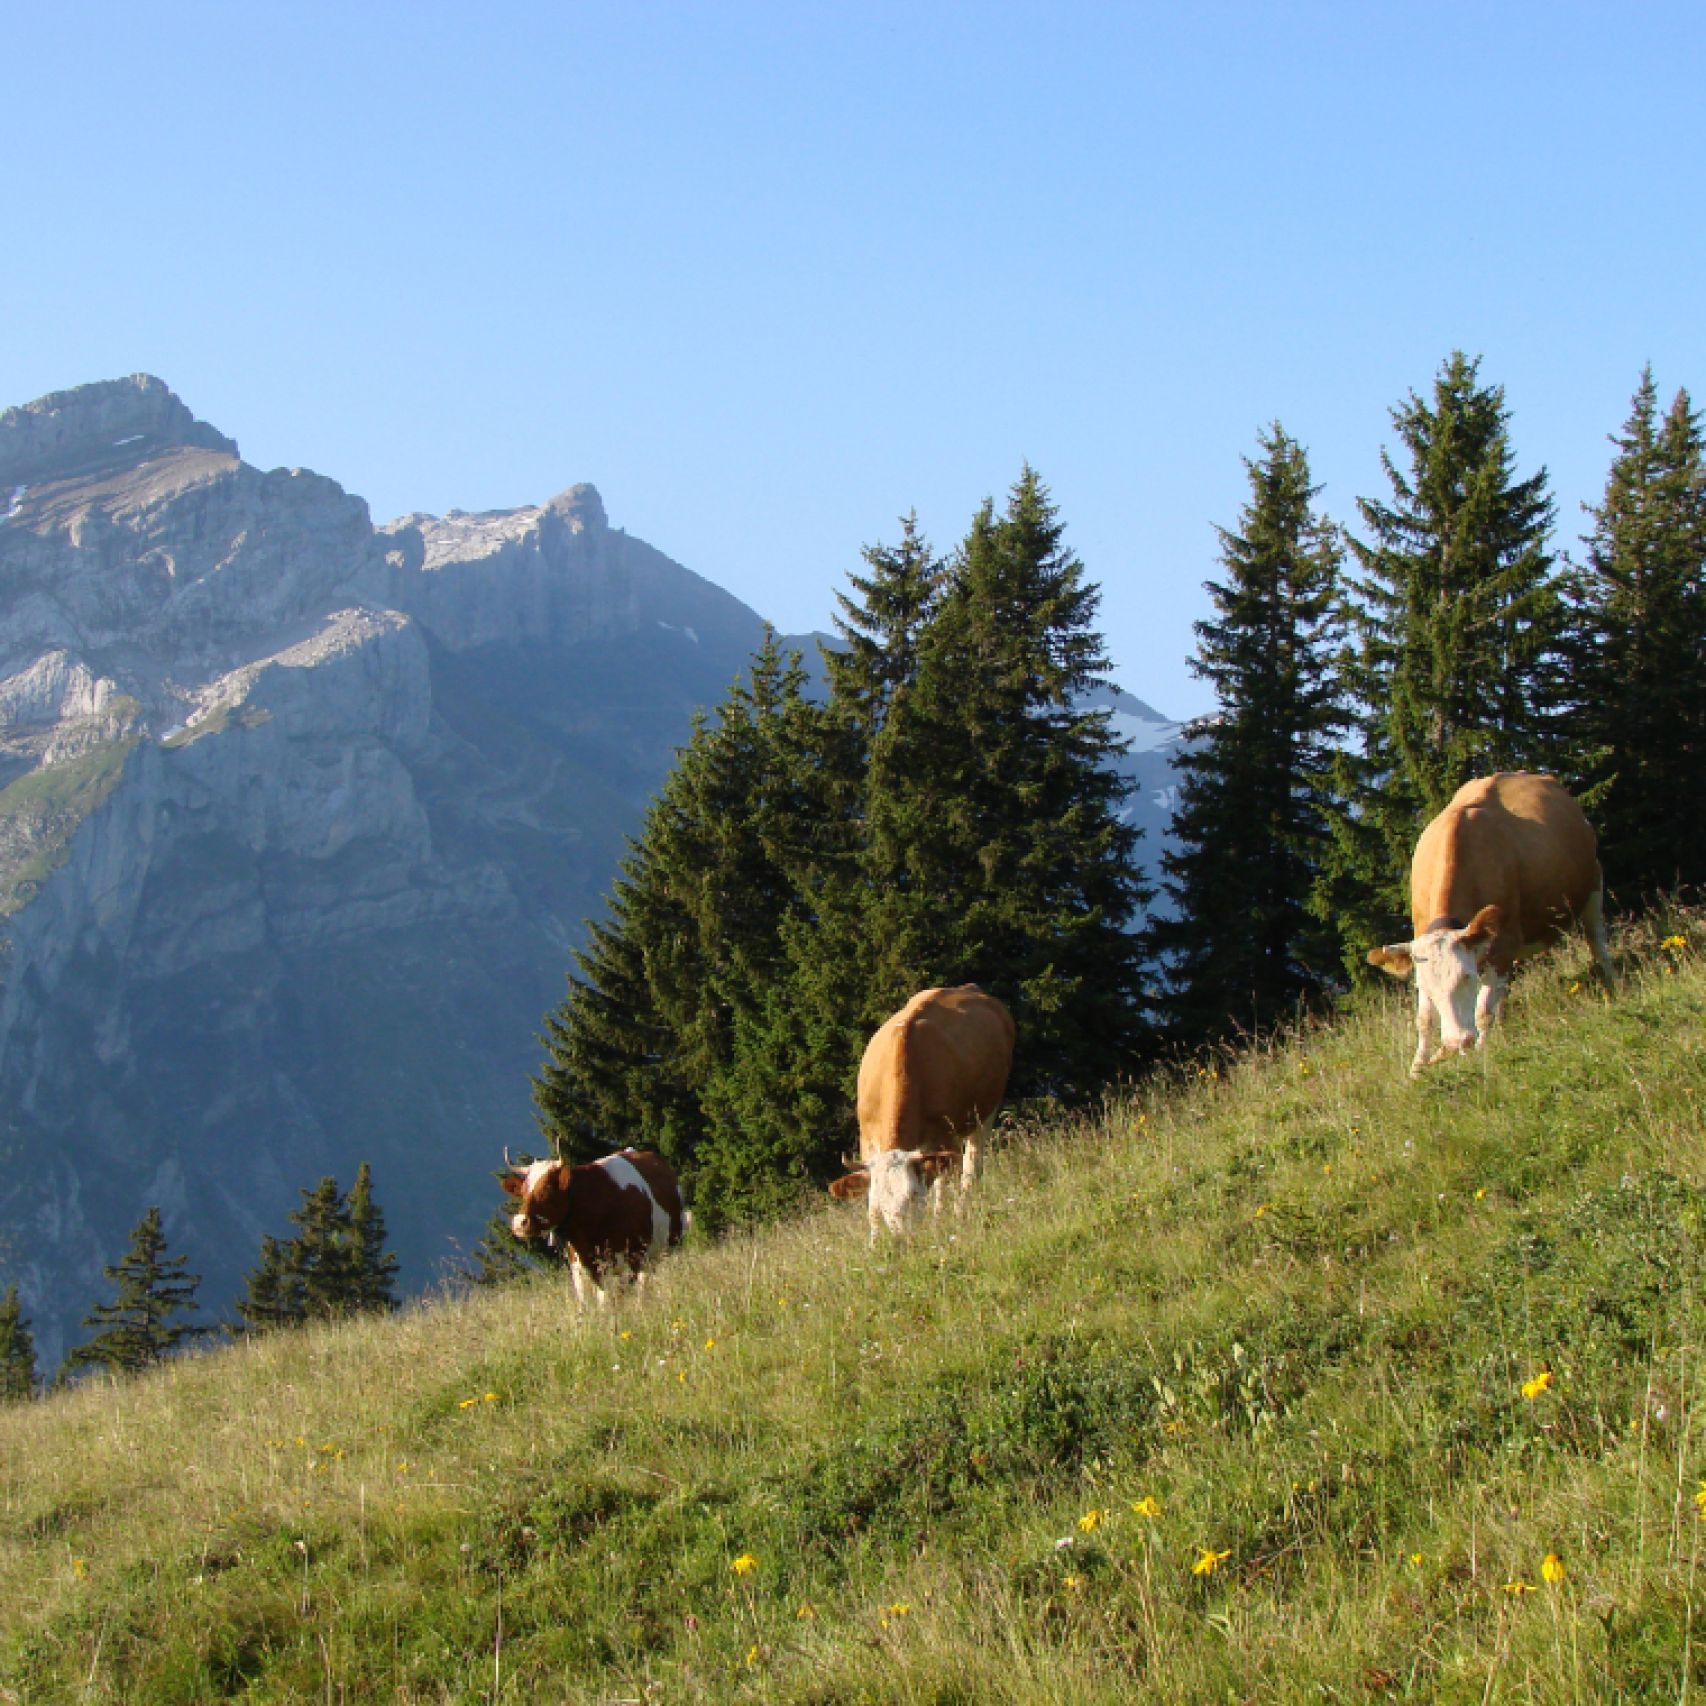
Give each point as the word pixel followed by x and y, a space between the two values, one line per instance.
pixel 1515 840
pixel 934 1071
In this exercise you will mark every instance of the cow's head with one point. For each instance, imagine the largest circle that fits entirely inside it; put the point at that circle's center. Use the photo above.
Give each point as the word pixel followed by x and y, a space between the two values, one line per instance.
pixel 543 1190
pixel 898 1182
pixel 1448 960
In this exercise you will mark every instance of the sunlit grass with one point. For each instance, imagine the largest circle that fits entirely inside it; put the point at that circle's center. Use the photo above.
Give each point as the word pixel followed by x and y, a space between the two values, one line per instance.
pixel 1286 1379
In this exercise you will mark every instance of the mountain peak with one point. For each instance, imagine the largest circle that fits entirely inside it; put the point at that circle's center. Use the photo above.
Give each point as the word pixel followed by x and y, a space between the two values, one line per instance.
pixel 117 420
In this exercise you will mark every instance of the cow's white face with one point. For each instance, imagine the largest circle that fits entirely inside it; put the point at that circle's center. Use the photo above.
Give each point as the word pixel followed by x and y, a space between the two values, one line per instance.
pixel 1448 963
pixel 898 1184
pixel 542 1188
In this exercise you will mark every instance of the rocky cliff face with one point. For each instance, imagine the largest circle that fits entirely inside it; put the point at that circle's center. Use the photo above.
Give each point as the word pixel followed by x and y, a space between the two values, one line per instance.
pixel 299 820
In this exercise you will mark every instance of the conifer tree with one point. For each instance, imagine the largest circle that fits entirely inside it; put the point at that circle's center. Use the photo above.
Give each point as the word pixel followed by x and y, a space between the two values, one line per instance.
pixel 994 811
pixel 1240 945
pixel 272 1295
pixel 672 1033
pixel 336 1265
pixel 372 1288
pixel 17 1351
pixel 137 1328
pixel 1457 619
pixel 1635 657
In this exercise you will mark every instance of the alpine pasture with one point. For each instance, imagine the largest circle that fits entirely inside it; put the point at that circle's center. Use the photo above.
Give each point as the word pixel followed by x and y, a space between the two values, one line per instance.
pixel 1287 1379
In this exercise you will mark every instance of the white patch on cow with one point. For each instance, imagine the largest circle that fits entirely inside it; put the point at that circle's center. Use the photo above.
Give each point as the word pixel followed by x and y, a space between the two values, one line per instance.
pixel 898 1191
pixel 1448 992
pixel 626 1176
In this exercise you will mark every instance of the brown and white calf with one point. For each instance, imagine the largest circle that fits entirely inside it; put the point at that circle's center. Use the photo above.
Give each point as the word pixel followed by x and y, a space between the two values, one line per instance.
pixel 624 1210
pixel 930 1082
pixel 1509 864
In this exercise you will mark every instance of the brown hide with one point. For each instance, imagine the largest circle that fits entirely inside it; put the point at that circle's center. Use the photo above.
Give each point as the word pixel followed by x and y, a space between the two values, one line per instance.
pixel 599 1219
pixel 1516 841
pixel 935 1072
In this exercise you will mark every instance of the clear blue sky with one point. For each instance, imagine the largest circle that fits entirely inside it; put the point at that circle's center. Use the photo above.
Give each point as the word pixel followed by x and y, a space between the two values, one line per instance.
pixel 770 275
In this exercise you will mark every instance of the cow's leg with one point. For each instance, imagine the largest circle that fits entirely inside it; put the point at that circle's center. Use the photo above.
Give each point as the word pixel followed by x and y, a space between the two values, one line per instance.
pixel 971 1162
pixel 1490 1003
pixel 1424 1034
pixel 581 1278
pixel 1593 919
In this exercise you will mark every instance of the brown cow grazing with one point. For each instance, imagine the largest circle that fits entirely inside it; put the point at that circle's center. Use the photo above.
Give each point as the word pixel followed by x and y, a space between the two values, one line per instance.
pixel 623 1209
pixel 929 1084
pixel 1506 867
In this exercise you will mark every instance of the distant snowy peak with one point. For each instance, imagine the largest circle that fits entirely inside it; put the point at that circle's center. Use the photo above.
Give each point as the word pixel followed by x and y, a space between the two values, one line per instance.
pixel 1129 719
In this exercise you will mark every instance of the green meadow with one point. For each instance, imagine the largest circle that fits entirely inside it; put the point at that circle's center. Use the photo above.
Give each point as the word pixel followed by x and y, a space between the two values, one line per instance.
pixel 1285 1379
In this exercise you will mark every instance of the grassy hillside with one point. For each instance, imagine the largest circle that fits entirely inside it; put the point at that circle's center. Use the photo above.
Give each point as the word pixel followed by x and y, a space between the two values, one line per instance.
pixel 1279 1384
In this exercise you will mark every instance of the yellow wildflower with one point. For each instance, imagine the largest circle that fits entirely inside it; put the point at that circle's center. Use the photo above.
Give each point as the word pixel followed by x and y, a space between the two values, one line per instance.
pixel 491 1397
pixel 1552 1568
pixel 807 1610
pixel 1148 1506
pixel 744 1565
pixel 1519 1587
pixel 1674 944
pixel 80 1568
pixel 752 1655
pixel 466 1403
pixel 1074 1582
pixel 900 1608
pixel 1700 1501
pixel 625 1334
pixel 1089 1522
pixel 1531 1389
pixel 403 1467
pixel 710 1344
pixel 1415 1557
pixel 1209 1561
pixel 1481 1194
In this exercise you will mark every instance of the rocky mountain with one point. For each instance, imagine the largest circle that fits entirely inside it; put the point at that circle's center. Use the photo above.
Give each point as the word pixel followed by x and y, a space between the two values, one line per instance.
pixel 299 820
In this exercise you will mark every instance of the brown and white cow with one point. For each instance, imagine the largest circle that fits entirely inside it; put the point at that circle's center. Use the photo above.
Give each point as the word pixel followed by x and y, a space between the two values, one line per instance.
pixel 622 1210
pixel 929 1084
pixel 1509 864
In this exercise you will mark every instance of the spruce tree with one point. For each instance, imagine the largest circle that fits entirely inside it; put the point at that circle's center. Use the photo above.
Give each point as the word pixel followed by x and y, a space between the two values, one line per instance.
pixel 336 1265
pixel 1635 722
pixel 17 1351
pixel 373 1279
pixel 1240 946
pixel 995 809
pixel 272 1295
pixel 137 1328
pixel 672 1032
pixel 1457 621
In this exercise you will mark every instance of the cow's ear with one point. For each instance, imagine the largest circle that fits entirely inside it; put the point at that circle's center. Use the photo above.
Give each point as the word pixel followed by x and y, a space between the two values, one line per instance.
pixel 852 1185
pixel 1482 928
pixel 514 1183
pixel 1394 959
pixel 938 1162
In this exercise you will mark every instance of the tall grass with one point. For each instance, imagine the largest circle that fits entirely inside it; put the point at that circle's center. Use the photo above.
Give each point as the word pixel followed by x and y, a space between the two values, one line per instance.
pixel 1279 1381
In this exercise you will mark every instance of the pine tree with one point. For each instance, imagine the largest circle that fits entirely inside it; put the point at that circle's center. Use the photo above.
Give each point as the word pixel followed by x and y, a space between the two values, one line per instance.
pixel 1241 946
pixel 1635 723
pixel 136 1329
pixel 336 1265
pixel 17 1351
pixel 1457 618
pixel 996 833
pixel 672 1032
pixel 373 1279
pixel 272 1295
